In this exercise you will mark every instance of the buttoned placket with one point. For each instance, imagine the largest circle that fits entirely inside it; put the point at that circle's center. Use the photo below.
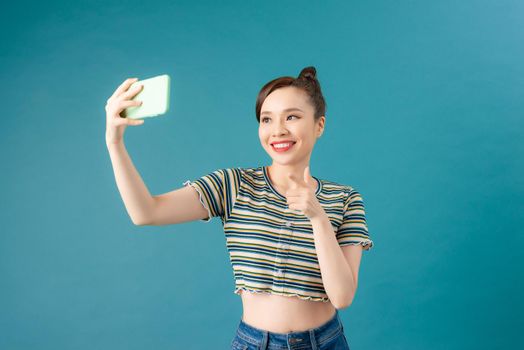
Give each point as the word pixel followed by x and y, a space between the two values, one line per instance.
pixel 282 249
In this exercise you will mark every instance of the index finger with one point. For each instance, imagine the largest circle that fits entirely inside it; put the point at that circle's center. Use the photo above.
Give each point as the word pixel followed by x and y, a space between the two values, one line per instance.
pixel 123 87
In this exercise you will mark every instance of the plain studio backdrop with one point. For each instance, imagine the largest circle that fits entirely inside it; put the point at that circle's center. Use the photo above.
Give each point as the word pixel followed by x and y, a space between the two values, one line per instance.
pixel 424 117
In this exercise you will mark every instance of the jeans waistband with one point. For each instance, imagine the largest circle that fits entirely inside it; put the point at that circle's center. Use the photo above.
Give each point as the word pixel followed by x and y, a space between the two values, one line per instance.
pixel 318 335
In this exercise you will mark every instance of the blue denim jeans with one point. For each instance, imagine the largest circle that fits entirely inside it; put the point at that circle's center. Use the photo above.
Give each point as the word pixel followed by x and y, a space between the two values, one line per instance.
pixel 329 336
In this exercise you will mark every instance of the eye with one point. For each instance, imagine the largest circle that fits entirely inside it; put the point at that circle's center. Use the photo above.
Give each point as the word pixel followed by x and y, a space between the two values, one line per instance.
pixel 266 118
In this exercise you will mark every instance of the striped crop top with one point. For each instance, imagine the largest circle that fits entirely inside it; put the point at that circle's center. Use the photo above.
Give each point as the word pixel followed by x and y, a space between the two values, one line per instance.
pixel 272 248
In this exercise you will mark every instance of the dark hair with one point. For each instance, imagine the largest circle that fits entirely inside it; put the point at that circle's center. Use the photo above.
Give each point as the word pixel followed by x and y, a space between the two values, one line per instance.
pixel 306 80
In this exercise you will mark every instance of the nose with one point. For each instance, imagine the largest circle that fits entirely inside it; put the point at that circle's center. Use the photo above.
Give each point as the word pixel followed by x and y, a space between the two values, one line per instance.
pixel 279 129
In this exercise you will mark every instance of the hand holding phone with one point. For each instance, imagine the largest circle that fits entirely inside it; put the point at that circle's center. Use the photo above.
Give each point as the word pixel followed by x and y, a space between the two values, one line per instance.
pixel 116 122
pixel 154 97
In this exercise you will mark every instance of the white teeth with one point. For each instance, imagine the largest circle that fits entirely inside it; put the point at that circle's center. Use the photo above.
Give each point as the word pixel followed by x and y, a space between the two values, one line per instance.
pixel 281 145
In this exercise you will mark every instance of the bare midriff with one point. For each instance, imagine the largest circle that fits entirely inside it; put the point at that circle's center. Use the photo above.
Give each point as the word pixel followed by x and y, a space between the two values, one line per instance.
pixel 284 314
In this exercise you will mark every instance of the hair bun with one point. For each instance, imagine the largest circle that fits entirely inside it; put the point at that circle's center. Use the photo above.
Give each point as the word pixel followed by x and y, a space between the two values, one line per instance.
pixel 308 73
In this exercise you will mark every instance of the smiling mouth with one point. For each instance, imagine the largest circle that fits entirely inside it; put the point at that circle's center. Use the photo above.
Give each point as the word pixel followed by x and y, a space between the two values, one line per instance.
pixel 282 147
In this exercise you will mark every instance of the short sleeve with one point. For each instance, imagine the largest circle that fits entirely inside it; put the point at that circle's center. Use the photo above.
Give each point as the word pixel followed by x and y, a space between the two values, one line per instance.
pixel 354 229
pixel 217 191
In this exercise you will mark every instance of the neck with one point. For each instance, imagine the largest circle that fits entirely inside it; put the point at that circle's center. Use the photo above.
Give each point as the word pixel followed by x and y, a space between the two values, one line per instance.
pixel 278 175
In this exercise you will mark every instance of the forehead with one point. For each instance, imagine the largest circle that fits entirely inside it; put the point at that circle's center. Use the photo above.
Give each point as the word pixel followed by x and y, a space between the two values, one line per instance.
pixel 284 98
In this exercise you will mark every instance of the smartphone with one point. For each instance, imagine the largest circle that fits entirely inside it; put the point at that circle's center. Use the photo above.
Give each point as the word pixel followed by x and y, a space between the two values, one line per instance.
pixel 154 96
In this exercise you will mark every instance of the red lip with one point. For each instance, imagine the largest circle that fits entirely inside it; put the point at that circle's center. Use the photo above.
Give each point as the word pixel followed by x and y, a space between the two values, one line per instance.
pixel 283 141
pixel 281 150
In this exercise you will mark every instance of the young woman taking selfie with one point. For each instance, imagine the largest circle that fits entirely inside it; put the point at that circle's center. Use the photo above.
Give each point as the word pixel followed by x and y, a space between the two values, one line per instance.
pixel 295 241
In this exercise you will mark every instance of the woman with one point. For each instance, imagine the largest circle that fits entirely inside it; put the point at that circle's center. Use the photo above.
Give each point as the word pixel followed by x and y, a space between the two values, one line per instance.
pixel 295 241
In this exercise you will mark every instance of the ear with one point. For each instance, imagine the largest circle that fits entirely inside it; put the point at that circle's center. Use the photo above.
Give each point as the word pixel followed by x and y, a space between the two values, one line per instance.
pixel 320 126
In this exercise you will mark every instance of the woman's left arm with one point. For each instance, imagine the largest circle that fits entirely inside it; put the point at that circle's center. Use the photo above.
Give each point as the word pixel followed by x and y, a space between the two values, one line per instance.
pixel 338 265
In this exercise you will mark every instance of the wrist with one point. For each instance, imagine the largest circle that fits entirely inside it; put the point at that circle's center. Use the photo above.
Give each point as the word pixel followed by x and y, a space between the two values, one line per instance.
pixel 110 143
pixel 320 218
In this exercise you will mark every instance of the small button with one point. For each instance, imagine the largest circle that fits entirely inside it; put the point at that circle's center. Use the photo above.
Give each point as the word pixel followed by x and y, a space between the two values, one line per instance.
pixel 280 272
pixel 288 224
pixel 279 260
pixel 285 246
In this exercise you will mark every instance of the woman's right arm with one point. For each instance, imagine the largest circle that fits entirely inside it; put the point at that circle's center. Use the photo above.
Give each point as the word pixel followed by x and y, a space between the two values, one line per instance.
pixel 178 206
pixel 137 199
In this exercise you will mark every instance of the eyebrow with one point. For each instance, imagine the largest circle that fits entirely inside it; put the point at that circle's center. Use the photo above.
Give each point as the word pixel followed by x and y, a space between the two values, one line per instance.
pixel 285 110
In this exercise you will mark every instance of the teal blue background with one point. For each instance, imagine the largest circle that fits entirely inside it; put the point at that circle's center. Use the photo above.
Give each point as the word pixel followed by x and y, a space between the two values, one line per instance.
pixel 424 118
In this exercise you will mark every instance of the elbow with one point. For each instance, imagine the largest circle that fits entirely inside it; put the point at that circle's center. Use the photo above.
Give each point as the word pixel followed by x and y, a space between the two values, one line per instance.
pixel 341 306
pixel 142 223
pixel 343 303
pixel 145 217
pixel 147 220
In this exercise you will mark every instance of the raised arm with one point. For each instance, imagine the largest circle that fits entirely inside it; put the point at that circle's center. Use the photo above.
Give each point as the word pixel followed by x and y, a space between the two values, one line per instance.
pixel 178 206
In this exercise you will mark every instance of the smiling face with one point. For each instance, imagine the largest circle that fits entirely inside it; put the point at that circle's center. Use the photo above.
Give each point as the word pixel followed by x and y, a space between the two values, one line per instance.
pixel 287 115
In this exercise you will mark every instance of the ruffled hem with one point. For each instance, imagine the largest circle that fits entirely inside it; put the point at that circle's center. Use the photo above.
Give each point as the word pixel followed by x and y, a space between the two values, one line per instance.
pixel 189 183
pixel 300 296
pixel 367 244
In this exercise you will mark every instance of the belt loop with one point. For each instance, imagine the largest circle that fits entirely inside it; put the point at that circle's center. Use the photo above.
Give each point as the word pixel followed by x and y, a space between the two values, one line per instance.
pixel 313 339
pixel 265 340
